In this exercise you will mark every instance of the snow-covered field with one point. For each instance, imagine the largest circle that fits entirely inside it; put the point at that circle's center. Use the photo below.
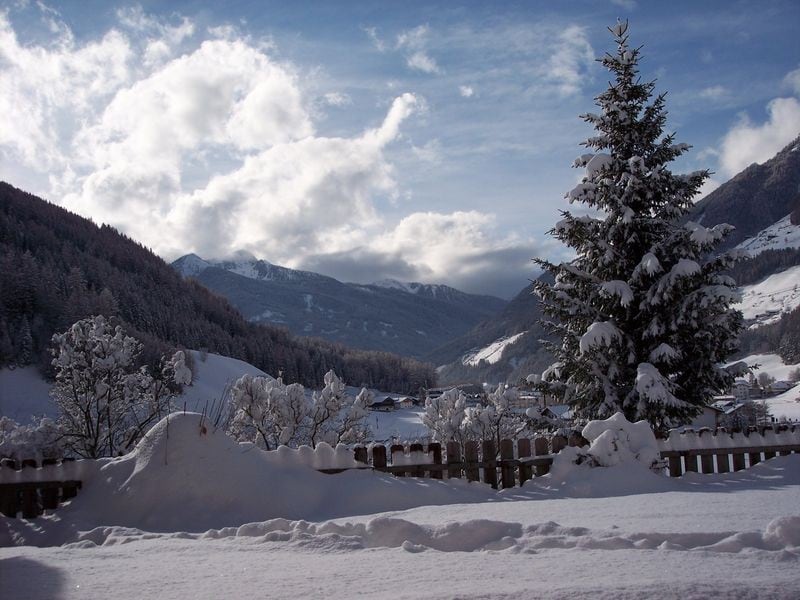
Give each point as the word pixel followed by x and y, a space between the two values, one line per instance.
pixel 190 514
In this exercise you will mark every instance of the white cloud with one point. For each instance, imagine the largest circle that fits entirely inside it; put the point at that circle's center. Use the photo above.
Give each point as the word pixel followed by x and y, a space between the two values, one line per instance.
pixel 337 99
pixel 414 41
pixel 372 33
pixel 792 81
pixel 568 66
pixel 464 249
pixel 747 142
pixel 47 90
pixel 421 61
pixel 714 92
pixel 466 91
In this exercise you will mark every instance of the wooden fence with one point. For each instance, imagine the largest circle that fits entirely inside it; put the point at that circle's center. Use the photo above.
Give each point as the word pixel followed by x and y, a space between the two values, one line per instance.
pixel 721 451
pixel 34 489
pixel 32 497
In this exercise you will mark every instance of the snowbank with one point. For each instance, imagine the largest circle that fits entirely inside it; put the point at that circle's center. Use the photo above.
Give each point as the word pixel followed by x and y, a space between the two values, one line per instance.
pixel 186 476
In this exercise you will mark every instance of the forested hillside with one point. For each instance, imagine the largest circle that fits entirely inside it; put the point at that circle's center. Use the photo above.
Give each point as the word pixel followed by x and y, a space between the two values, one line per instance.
pixel 57 267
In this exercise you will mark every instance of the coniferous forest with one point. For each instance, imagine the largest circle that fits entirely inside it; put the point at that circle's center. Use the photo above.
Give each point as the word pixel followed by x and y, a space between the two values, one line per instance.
pixel 57 268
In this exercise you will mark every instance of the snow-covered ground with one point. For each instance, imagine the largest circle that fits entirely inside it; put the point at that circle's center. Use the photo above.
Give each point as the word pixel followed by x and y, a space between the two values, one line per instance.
pixel 775 237
pixel 192 515
pixel 765 302
pixel 491 353
pixel 402 424
pixel 771 364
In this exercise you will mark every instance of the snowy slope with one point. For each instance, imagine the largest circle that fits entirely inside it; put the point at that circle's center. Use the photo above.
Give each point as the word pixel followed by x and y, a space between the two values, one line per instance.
pixel 491 353
pixel 23 392
pixel 765 302
pixel 775 237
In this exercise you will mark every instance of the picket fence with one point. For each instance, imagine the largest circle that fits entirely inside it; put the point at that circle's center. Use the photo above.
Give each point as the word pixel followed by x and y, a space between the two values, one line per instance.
pixel 28 489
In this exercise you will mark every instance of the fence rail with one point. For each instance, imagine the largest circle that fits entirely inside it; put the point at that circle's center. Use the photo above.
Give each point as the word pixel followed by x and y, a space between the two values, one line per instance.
pixel 30 489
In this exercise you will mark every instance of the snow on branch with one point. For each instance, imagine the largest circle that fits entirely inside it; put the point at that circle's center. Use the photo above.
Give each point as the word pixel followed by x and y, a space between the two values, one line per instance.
pixel 620 289
pixel 599 333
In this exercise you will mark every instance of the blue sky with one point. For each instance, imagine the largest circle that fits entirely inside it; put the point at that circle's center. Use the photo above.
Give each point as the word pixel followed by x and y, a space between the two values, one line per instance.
pixel 417 141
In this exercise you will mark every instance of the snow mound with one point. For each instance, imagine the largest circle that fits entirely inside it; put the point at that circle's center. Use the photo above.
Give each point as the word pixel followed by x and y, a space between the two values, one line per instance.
pixel 616 440
pixel 629 451
pixel 781 535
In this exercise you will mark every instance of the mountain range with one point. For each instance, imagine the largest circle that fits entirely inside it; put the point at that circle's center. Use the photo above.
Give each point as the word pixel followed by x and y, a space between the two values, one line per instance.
pixel 57 267
pixel 411 319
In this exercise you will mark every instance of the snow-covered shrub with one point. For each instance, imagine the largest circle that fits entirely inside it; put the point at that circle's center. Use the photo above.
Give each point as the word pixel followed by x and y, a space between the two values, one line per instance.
pixel 445 416
pixel 269 413
pixel 497 420
pixel 105 403
pixel 21 442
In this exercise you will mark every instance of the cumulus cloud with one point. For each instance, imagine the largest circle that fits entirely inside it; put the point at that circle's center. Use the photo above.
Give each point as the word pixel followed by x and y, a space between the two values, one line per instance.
pixel 466 91
pixel 569 64
pixel 191 143
pixel 749 142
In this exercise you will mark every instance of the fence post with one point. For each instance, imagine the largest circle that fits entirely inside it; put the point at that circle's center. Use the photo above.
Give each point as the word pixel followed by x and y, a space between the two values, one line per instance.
pixel 417 471
pixel 507 470
pixel 707 463
pixel 738 462
pixel 471 461
pixel 675 469
pixel 540 449
pixel 453 456
pixel 360 454
pixel 523 452
pixel 489 463
pixel 559 443
pixel 723 463
pixel 30 503
pixel 9 502
pixel 379 457
pixel 397 450
pixel 436 450
pixel 691 461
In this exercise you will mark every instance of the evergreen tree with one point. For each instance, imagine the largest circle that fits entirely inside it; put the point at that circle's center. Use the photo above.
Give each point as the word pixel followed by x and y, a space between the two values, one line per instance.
pixel 642 312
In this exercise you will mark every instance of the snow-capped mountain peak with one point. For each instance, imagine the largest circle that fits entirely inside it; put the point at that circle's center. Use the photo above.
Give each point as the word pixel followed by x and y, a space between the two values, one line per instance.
pixel 190 265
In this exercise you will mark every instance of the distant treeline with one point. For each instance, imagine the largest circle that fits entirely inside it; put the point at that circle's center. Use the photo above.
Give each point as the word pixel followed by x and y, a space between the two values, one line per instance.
pixel 57 267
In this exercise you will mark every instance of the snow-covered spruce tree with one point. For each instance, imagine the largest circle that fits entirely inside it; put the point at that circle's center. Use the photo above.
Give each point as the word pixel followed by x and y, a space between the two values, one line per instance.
pixel 643 312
